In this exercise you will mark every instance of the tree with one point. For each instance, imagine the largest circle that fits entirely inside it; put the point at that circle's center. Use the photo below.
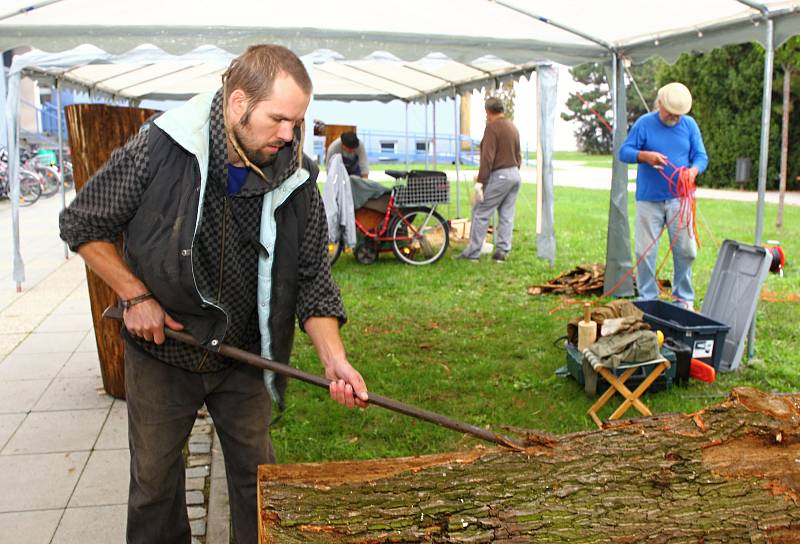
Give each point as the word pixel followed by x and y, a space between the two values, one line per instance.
pixel 593 135
pixel 786 57
pixel 726 86
pixel 645 77
pixel 506 93
pixel 725 474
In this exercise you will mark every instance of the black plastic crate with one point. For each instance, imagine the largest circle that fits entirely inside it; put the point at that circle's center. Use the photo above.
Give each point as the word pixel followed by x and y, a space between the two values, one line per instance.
pixel 424 187
pixel 703 335
pixel 664 380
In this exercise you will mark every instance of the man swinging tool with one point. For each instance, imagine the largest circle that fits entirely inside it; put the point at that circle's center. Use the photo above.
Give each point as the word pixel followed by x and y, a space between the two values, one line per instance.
pixel 225 238
pixel 669 148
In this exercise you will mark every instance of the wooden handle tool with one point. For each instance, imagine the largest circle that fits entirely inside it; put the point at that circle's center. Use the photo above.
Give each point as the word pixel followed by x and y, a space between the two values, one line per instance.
pixel 113 312
pixel 587 329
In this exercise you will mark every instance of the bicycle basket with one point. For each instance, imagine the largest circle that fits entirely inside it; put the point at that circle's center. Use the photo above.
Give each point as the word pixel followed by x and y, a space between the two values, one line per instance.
pixel 424 187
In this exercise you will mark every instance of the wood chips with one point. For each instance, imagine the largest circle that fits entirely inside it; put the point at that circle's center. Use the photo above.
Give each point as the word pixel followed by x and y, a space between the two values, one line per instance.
pixel 584 279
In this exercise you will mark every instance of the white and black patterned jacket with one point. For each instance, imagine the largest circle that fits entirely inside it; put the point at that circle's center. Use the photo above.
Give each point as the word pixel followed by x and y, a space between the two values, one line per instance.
pixel 243 270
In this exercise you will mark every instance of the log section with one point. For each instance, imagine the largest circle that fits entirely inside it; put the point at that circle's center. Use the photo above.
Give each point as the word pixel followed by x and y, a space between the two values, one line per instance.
pixel 729 473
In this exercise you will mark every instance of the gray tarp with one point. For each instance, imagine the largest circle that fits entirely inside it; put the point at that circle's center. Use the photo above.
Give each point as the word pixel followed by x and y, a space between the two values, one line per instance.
pixel 618 237
pixel 547 82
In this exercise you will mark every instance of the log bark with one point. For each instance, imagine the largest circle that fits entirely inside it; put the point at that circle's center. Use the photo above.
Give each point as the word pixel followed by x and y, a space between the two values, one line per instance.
pixel 729 473
pixel 95 130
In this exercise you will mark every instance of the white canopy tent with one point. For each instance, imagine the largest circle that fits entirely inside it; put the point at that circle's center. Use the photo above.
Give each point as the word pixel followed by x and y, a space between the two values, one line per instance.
pixel 569 32
pixel 361 46
pixel 148 72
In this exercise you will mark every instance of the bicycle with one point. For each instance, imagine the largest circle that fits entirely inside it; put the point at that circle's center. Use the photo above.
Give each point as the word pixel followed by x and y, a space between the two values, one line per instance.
pixel 30 185
pixel 43 165
pixel 410 227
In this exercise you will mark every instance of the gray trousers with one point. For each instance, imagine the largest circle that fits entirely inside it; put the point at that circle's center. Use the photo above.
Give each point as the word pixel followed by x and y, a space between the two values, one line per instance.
pixel 500 193
pixel 162 406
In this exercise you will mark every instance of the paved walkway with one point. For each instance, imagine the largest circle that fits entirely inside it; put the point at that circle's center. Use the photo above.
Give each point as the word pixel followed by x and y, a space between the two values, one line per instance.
pixel 63 441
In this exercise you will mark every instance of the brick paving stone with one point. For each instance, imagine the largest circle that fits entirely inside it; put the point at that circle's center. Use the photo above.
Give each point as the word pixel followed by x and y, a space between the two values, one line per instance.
pixel 197 448
pixel 195 484
pixel 196 512
pixel 197 472
pixel 197 460
pixel 202 428
pixel 198 527
pixel 194 498
pixel 200 438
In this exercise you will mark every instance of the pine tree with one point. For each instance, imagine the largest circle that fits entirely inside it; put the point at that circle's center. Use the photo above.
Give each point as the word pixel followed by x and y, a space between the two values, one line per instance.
pixel 593 135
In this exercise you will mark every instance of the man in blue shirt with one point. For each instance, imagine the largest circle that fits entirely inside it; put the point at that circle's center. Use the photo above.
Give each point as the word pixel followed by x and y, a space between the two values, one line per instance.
pixel 662 142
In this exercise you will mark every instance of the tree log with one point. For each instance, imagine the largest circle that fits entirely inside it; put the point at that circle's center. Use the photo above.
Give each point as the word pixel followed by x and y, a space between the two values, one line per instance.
pixel 728 473
pixel 95 131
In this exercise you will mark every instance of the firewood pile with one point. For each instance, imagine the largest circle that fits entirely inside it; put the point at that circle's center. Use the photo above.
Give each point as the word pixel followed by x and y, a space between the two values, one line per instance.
pixel 585 279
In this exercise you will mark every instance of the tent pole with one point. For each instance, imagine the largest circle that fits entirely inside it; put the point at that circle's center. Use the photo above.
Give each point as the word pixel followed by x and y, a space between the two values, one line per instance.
pixel 13 178
pixel 614 61
pixel 406 144
pixel 558 25
pixel 61 189
pixel 27 9
pixel 434 135
pixel 426 134
pixel 456 149
pixel 766 106
pixel 539 158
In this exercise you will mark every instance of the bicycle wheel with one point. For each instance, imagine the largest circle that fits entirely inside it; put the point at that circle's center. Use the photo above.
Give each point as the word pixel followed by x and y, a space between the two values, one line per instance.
pixel 419 236
pixel 30 188
pixel 69 180
pixel 51 180
pixel 334 250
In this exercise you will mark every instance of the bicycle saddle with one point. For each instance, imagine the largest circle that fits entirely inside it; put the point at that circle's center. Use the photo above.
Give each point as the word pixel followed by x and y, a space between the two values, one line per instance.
pixel 396 174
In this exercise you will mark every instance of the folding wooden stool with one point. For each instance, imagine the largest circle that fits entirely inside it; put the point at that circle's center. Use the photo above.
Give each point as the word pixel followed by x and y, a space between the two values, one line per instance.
pixel 617 385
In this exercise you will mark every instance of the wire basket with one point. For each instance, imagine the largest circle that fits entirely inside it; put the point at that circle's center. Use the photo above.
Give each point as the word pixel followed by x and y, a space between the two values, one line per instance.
pixel 424 187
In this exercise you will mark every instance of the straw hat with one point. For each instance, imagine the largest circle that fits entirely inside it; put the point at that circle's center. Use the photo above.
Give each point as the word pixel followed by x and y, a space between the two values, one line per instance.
pixel 675 98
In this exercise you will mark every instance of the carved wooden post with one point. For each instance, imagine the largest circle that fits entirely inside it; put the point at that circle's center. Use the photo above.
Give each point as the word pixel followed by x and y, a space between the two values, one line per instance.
pixel 95 130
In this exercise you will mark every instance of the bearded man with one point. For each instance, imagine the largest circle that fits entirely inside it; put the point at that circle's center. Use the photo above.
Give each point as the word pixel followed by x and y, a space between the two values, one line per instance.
pixel 225 238
pixel 663 142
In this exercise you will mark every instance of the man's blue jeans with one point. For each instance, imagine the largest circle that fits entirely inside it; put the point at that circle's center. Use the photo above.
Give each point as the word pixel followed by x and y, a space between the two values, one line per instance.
pixel 650 219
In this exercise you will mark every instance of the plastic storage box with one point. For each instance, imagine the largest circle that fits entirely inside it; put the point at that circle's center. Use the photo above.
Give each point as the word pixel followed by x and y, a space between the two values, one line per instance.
pixel 705 336
pixel 733 293
pixel 664 381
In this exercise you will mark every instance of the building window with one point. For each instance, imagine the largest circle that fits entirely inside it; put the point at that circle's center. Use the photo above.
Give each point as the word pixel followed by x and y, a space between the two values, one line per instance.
pixel 422 146
pixel 388 146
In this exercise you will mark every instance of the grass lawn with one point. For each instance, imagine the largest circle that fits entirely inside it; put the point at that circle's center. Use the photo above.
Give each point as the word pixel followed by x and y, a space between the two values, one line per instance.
pixel 583 159
pixel 381 167
pixel 466 340
pixel 599 161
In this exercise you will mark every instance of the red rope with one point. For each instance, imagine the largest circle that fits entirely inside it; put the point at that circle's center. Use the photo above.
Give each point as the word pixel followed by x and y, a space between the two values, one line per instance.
pixel 681 185
pixel 591 109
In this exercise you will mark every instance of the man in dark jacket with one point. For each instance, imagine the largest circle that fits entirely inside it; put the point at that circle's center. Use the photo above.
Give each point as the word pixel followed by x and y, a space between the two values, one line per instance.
pixel 225 238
